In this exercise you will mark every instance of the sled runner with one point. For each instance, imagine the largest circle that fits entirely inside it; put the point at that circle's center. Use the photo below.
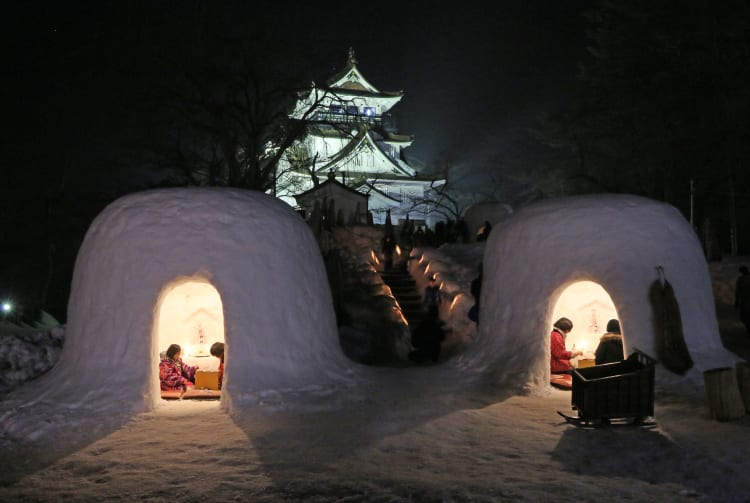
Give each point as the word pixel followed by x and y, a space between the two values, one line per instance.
pixel 606 423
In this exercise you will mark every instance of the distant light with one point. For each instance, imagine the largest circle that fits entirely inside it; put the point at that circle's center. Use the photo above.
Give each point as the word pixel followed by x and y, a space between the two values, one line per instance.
pixel 455 300
pixel 7 307
pixel 369 111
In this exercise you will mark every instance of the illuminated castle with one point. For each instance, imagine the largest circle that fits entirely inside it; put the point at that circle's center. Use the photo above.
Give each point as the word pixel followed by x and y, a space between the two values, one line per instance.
pixel 349 134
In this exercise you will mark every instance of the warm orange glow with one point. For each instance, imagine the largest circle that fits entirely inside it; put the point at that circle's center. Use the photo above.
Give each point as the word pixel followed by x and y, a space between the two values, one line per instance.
pixel 400 315
pixel 190 314
pixel 455 299
pixel 374 257
pixel 398 250
pixel 589 307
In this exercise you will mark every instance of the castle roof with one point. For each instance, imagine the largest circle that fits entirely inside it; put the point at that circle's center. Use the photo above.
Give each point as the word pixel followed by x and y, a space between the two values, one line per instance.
pixel 351 80
pixel 364 139
pixel 331 180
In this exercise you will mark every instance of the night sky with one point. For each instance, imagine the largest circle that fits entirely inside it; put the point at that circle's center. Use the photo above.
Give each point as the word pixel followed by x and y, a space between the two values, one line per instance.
pixel 82 82
pixel 77 75
pixel 474 77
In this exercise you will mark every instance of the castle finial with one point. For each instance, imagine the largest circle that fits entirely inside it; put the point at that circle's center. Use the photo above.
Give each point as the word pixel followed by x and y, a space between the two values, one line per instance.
pixel 352 59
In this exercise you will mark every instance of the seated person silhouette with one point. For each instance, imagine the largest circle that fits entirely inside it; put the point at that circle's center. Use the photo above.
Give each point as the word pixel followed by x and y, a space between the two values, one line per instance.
pixel 432 299
pixel 427 338
pixel 610 349
pixel 217 350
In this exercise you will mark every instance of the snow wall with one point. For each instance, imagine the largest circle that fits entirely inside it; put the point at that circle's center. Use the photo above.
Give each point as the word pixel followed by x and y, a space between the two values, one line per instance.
pixel 617 241
pixel 262 258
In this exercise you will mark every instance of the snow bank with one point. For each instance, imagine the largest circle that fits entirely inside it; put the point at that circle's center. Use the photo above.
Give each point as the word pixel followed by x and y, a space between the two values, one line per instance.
pixel 26 353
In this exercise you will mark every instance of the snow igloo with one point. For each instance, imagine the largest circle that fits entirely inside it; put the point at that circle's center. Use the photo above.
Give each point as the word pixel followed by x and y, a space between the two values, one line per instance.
pixel 590 258
pixel 194 266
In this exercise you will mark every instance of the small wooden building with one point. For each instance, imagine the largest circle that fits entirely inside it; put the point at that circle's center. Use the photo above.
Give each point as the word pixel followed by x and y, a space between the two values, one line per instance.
pixel 337 201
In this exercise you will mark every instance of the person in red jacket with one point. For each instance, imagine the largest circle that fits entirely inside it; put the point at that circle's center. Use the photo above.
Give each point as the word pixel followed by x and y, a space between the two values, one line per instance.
pixel 559 356
pixel 174 374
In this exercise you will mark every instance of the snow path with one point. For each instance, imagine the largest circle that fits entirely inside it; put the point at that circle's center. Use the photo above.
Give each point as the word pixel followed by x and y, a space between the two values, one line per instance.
pixel 447 447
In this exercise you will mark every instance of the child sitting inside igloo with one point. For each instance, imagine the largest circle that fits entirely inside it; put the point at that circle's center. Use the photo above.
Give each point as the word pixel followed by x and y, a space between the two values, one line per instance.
pixel 174 374
pixel 560 366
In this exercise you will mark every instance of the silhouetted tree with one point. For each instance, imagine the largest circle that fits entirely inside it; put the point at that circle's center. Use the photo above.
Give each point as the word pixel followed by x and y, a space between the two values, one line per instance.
pixel 663 104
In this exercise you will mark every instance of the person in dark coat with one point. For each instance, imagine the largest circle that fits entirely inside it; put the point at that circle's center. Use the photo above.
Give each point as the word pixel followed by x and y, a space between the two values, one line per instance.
pixel 484 231
pixel 427 339
pixel 432 300
pixel 388 246
pixel 217 350
pixel 476 292
pixel 610 345
pixel 742 297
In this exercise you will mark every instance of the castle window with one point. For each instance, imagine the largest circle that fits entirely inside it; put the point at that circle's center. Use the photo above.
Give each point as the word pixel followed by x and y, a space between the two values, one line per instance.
pixel 336 109
pixel 352 110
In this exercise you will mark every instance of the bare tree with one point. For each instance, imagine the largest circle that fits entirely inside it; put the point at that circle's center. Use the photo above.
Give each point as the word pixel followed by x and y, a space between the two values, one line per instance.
pixel 233 126
pixel 448 195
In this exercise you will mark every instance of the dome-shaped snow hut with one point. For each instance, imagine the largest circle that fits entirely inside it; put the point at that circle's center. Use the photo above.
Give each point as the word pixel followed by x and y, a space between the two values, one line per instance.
pixel 249 256
pixel 618 242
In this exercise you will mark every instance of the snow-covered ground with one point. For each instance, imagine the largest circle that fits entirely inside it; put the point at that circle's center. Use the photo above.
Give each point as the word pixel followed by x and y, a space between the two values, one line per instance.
pixel 404 434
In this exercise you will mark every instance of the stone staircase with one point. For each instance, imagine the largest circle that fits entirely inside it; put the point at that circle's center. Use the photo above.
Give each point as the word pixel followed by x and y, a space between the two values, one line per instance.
pixel 404 289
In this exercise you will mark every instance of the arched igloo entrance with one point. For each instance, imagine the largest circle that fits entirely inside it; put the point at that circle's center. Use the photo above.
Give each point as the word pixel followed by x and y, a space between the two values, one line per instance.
pixel 189 312
pixel 588 305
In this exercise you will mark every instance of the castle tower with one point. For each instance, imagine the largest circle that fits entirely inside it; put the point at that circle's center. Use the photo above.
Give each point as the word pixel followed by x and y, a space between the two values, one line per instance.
pixel 349 133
